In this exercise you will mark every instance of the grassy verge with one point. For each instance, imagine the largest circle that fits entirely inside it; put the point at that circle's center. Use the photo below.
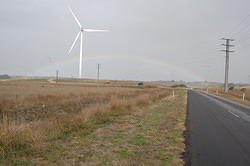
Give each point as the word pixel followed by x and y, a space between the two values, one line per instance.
pixel 233 97
pixel 143 131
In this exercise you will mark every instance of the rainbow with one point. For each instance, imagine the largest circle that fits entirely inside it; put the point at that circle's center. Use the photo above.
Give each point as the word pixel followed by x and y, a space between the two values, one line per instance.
pixel 176 68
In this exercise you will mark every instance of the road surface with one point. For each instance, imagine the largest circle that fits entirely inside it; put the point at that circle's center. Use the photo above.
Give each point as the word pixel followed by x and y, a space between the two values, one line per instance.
pixel 218 131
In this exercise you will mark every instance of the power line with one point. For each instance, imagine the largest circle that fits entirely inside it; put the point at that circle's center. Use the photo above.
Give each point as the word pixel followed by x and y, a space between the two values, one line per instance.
pixel 57 74
pixel 244 33
pixel 227 50
pixel 240 23
pixel 244 29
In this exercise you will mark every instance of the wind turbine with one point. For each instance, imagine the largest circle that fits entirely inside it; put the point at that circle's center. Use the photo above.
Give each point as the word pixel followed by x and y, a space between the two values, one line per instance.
pixel 82 30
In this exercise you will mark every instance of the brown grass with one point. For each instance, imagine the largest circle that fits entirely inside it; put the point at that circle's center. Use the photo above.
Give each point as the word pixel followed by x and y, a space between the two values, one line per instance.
pixel 29 121
pixel 235 94
pixel 144 99
pixel 238 93
pixel 31 102
pixel 151 135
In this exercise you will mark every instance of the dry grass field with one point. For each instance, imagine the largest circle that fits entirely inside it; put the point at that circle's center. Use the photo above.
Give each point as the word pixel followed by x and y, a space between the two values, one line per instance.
pixel 28 100
pixel 36 113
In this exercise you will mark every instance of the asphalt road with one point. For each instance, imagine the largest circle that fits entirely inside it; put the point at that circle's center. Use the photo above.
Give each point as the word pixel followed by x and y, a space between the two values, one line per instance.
pixel 218 131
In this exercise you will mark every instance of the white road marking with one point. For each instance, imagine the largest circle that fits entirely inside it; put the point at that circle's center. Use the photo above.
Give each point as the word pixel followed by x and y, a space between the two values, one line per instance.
pixel 234 114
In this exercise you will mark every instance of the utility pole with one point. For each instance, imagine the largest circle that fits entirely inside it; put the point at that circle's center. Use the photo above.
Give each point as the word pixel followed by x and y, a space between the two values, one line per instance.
pixel 227 50
pixel 98 71
pixel 57 72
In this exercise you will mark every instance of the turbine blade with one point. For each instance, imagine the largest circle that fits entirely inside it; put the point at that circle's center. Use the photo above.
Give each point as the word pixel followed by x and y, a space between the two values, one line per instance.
pixel 94 30
pixel 76 19
pixel 72 46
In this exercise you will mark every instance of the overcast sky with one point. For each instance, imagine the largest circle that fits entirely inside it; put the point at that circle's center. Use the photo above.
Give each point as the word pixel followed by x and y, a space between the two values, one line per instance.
pixel 148 39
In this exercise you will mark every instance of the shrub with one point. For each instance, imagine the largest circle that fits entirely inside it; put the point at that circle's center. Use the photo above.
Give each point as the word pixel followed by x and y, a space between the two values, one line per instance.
pixel 243 89
pixel 179 86
pixel 140 84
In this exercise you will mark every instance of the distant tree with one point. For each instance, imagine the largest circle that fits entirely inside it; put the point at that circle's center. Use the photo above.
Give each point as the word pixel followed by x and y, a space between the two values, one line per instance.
pixel 4 76
pixel 179 86
pixel 243 89
pixel 140 84
pixel 231 88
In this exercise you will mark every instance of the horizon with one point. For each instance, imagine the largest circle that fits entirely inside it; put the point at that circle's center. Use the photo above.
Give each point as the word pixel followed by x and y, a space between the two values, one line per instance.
pixel 103 79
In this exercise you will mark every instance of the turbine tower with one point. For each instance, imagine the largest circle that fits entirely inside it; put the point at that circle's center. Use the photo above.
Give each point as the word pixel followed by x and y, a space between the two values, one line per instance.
pixel 80 33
